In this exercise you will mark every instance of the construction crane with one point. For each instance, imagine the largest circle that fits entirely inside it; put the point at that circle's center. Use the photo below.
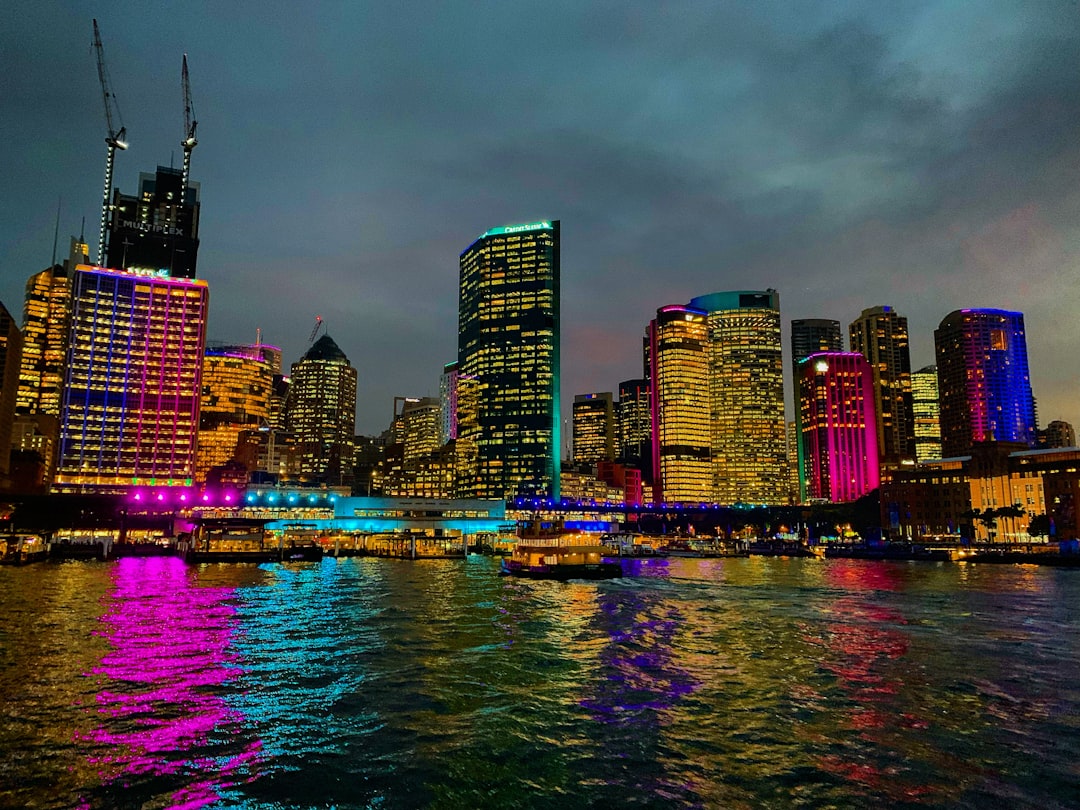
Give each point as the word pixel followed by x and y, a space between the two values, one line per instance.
pixel 189 142
pixel 315 331
pixel 114 140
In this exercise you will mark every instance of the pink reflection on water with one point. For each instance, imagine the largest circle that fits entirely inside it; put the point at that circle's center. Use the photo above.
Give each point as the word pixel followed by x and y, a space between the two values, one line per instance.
pixel 157 703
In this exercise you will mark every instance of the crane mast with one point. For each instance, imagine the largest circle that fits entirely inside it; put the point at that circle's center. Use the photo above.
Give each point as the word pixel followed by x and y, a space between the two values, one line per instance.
pixel 189 142
pixel 113 141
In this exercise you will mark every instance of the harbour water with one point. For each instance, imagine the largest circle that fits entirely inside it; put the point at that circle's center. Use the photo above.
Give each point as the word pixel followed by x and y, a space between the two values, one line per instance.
pixel 146 683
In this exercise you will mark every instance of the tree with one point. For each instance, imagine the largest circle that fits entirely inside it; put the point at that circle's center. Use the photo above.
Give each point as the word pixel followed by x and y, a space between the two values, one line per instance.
pixel 1039 526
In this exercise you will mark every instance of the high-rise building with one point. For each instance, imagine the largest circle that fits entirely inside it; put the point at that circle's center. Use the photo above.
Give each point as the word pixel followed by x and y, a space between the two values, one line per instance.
pixel 46 322
pixel 679 396
pixel 881 336
pixel 448 393
pixel 130 408
pixel 838 426
pixel 10 358
pixel 812 335
pixel 158 230
pixel 321 410
pixel 1057 434
pixel 746 397
pixel 236 384
pixel 983 380
pixel 633 420
pixel 809 336
pixel 594 428
pixel 509 430
pixel 927 414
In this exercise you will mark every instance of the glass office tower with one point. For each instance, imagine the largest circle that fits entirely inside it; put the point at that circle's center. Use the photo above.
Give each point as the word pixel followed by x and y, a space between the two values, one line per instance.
pixel 508 363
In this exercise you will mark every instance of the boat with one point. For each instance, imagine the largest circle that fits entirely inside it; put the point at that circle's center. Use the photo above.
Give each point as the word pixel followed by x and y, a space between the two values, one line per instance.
pixel 570 556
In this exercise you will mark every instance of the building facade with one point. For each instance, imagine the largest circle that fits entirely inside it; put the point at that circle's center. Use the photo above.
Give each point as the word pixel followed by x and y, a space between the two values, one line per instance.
pixel 509 430
pixel 1057 434
pixel 926 412
pixel 809 336
pixel 633 418
pixel 321 411
pixel 983 380
pixel 837 426
pixel 746 397
pixel 678 352
pixel 157 230
pixel 880 335
pixel 130 408
pixel 10 361
pixel 594 428
pixel 236 384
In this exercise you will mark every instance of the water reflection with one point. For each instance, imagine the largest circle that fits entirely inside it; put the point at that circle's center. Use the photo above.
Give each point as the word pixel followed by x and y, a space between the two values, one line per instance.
pixel 164 730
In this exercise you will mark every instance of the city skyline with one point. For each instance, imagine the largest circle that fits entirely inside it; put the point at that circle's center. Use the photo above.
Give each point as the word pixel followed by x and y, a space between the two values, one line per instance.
pixel 848 159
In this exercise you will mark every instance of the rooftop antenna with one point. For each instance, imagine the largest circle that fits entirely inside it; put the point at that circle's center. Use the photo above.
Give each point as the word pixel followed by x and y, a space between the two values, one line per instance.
pixel 114 140
pixel 56 231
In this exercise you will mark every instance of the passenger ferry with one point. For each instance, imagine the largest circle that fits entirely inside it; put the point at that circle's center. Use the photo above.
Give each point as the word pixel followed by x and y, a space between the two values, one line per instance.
pixel 567 556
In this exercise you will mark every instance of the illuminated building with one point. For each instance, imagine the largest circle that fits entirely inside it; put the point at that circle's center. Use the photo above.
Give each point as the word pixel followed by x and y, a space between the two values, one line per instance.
pixel 983 380
pixel 508 359
pixel 809 336
pixel 746 397
pixel 236 384
pixel 594 428
pixel 937 498
pixel 1057 434
pixel 321 410
pixel 634 420
pixel 46 322
pixel 130 410
pixel 926 412
pixel 838 427
pixel 679 396
pixel 881 336
pixel 10 356
pixel 626 479
pixel 155 230
pixel 448 390
pixel 416 426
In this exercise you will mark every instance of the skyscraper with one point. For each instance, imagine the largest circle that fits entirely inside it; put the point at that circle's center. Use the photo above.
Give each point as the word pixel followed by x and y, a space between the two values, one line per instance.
pixel 594 428
pixel 679 396
pixel 808 336
pixel 634 426
pixel 927 413
pixel 838 427
pixel 157 230
pixel 448 403
pixel 881 336
pixel 746 396
pixel 983 380
pixel 46 322
pixel 10 355
pixel 236 384
pixel 321 410
pixel 130 408
pixel 508 363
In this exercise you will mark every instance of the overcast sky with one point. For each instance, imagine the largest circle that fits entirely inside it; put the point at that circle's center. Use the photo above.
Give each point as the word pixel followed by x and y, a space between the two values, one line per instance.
pixel 924 155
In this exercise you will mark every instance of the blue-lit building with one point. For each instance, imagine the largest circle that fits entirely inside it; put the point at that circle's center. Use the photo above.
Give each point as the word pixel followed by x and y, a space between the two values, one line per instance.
pixel 983 380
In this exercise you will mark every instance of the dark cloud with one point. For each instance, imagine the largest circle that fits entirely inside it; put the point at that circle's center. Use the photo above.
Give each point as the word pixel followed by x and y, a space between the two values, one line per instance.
pixel 918 154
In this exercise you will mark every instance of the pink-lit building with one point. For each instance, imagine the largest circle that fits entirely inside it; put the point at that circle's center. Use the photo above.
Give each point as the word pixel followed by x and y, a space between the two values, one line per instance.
pixel 838 427
pixel 130 410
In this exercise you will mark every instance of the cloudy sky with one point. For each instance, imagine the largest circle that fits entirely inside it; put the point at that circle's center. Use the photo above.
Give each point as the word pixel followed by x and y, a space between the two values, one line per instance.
pixel 924 155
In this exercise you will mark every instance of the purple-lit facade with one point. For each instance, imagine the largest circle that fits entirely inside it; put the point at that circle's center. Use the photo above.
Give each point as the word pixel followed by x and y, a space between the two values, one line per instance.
pixel 838 426
pixel 130 410
pixel 983 381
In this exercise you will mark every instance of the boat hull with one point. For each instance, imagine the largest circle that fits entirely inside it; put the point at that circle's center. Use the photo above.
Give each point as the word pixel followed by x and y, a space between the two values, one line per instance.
pixel 563 572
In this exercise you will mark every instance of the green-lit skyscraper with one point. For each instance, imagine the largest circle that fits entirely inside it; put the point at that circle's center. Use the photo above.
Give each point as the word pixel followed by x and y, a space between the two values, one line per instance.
pixel 508 363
